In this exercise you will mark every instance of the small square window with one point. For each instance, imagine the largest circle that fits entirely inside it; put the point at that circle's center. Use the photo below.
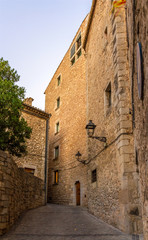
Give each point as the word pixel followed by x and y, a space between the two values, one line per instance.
pixel 58 102
pixel 59 80
pixel 57 127
pixel 56 177
pixel 94 176
pixel 56 152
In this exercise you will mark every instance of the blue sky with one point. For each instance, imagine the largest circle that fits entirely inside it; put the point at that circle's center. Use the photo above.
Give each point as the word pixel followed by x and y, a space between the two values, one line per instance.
pixel 35 35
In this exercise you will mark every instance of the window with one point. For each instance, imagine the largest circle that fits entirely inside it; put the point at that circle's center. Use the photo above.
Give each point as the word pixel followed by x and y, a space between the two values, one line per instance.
pixel 56 152
pixel 105 31
pixel 72 51
pixel 59 80
pixel 76 51
pixel 108 100
pixel 58 102
pixel 56 177
pixel 79 41
pixel 79 53
pixel 57 127
pixel 94 176
pixel 72 60
pixel 29 170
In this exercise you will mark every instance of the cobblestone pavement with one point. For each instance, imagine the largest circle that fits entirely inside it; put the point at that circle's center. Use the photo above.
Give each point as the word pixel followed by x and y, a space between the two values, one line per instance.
pixel 56 222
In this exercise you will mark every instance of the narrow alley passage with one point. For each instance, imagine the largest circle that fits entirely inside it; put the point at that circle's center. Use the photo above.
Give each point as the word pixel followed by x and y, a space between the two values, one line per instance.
pixel 56 222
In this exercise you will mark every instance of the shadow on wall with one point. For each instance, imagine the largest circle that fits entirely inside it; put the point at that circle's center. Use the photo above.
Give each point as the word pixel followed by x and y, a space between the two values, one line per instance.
pixel 19 190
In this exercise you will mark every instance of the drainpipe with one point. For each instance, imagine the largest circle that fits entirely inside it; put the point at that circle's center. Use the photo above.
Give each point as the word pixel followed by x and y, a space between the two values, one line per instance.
pixel 133 106
pixel 46 159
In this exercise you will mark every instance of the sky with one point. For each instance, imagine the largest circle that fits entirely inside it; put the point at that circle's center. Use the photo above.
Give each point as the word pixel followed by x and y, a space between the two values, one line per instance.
pixel 35 36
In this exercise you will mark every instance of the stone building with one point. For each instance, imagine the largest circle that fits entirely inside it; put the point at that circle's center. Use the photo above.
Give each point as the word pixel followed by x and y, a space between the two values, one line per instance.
pixel 66 101
pixel 35 162
pixel 93 82
pixel 113 196
pixel 137 36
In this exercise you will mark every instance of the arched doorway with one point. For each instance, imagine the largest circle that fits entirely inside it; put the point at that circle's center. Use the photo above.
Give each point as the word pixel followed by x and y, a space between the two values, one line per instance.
pixel 77 184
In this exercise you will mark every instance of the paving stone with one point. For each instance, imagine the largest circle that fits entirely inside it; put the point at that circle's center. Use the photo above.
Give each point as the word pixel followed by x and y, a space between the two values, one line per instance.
pixel 58 222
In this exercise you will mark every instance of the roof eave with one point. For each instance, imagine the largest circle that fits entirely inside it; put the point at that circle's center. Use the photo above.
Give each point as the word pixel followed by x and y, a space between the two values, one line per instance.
pixel 38 111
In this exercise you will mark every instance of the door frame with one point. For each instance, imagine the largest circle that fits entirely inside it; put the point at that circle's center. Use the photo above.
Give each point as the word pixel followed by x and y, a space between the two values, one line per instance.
pixel 77 196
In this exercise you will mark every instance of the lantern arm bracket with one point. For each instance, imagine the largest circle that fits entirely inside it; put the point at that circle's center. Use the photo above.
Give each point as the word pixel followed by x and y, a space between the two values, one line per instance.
pixel 85 162
pixel 78 157
pixel 101 139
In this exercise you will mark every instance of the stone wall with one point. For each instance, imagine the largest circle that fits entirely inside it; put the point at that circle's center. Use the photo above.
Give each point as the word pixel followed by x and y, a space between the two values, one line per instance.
pixel 71 115
pixel 114 197
pixel 19 191
pixel 36 146
pixel 137 18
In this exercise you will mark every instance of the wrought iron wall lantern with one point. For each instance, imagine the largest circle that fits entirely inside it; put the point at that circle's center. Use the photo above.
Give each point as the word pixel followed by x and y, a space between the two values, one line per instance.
pixel 78 156
pixel 90 127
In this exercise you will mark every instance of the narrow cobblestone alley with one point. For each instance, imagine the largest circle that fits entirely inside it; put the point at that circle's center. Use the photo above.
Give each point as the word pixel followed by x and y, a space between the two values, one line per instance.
pixel 56 222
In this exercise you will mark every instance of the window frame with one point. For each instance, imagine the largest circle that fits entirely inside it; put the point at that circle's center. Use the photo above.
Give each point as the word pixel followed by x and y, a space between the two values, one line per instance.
pixel 56 177
pixel 59 80
pixel 72 51
pixel 79 41
pixel 79 53
pixel 56 152
pixel 108 98
pixel 73 60
pixel 76 49
pixel 58 103
pixel 94 176
pixel 57 127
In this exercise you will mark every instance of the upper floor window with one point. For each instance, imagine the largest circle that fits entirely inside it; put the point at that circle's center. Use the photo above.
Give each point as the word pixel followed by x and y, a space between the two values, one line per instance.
pixel 108 99
pixel 58 102
pixel 94 175
pixel 57 127
pixel 79 53
pixel 59 80
pixel 72 51
pixel 56 152
pixel 56 177
pixel 79 41
pixel 76 51
pixel 72 60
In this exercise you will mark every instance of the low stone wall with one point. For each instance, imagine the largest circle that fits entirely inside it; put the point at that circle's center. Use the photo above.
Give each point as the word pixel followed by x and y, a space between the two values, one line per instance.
pixel 19 191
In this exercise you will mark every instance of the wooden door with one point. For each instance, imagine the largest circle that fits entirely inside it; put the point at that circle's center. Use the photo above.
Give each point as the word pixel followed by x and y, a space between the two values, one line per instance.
pixel 77 193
